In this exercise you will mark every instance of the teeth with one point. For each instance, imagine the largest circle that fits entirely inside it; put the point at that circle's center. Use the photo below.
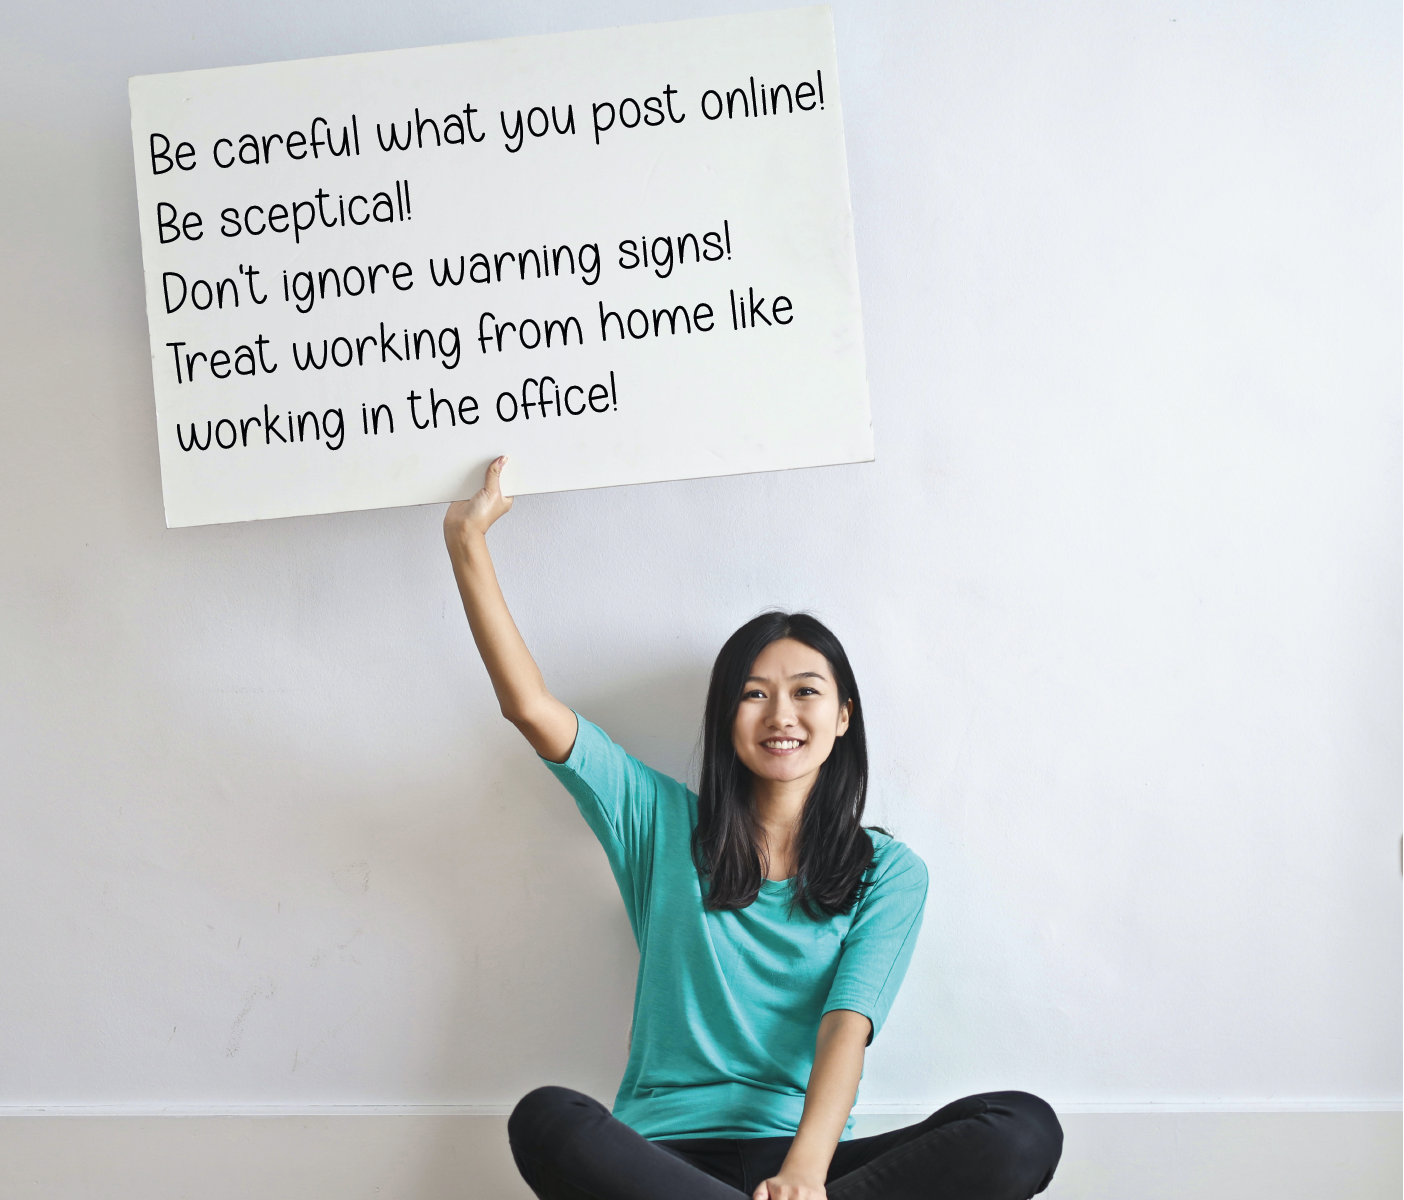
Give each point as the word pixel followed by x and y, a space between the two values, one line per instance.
pixel 782 744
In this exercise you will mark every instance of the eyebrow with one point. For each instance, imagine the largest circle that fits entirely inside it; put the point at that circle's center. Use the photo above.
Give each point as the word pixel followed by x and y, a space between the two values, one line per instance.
pixel 801 675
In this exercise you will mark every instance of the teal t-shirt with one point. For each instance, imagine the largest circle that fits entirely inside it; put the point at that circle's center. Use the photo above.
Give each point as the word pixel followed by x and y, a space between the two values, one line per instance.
pixel 727 1004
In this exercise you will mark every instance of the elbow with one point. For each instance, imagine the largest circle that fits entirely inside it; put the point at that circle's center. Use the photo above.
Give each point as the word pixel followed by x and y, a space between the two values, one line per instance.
pixel 515 714
pixel 547 737
pixel 847 1025
pixel 526 717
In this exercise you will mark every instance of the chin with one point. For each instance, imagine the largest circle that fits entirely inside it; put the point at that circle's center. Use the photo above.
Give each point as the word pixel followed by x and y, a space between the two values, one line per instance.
pixel 781 772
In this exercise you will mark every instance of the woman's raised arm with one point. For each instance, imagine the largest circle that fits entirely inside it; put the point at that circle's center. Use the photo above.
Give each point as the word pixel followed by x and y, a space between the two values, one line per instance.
pixel 521 691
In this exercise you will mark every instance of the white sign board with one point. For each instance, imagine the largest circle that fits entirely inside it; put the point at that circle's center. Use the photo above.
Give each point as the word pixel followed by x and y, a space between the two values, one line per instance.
pixel 617 256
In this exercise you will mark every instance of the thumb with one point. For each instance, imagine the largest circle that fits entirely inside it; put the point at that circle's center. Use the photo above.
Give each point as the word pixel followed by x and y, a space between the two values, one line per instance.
pixel 762 1191
pixel 493 482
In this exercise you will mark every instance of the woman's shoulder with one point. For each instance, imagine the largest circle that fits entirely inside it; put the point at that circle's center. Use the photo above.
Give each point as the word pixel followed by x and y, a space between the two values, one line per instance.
pixel 597 756
pixel 894 862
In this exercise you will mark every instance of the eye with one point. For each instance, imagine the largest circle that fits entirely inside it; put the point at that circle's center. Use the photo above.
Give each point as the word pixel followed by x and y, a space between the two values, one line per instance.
pixel 753 694
pixel 807 691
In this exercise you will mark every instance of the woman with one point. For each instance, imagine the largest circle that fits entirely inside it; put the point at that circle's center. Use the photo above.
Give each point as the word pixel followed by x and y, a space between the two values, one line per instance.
pixel 773 932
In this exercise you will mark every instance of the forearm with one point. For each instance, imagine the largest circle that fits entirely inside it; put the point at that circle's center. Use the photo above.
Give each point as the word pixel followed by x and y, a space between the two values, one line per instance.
pixel 828 1100
pixel 521 691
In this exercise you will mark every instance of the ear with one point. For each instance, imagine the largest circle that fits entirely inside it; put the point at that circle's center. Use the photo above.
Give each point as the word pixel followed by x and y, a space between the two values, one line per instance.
pixel 845 714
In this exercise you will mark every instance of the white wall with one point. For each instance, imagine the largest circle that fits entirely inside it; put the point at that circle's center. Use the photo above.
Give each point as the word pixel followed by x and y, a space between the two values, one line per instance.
pixel 1123 593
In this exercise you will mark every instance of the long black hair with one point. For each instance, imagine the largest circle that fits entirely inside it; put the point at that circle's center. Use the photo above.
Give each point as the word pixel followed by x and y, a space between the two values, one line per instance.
pixel 834 849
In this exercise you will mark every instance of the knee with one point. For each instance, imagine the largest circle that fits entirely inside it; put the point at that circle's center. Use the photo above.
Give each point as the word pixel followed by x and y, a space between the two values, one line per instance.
pixel 544 1115
pixel 1036 1134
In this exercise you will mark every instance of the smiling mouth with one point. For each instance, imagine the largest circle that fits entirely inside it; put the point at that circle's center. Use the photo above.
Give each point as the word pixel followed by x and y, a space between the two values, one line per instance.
pixel 782 745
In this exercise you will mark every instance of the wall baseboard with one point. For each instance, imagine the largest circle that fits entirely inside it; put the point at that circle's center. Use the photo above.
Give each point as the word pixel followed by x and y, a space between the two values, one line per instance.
pixel 911 1110
pixel 405 1153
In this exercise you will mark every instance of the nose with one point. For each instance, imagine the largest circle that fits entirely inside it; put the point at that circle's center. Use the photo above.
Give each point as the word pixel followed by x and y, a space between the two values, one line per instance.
pixel 782 712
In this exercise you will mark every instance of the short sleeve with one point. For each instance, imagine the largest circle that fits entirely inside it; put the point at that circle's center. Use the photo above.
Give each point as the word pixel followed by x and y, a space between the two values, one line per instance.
pixel 880 941
pixel 618 797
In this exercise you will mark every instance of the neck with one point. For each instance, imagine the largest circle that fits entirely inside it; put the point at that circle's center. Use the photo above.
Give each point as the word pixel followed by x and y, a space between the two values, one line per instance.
pixel 779 804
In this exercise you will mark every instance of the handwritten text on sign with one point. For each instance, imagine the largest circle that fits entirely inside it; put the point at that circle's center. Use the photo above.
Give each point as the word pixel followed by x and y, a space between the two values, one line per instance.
pixel 618 257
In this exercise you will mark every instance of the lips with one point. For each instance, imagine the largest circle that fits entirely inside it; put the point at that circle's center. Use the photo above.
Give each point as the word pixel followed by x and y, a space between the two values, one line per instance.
pixel 782 745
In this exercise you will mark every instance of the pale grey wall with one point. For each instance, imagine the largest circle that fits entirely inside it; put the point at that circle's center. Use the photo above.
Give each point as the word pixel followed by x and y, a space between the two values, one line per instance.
pixel 1123 592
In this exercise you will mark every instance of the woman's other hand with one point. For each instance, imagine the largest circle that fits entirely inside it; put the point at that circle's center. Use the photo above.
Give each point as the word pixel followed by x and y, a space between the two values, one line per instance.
pixel 790 1187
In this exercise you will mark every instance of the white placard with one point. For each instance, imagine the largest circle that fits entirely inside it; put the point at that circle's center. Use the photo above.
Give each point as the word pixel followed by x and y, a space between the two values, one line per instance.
pixel 618 256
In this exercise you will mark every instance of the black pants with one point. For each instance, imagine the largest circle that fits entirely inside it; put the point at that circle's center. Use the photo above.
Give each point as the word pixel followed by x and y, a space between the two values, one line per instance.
pixel 998 1146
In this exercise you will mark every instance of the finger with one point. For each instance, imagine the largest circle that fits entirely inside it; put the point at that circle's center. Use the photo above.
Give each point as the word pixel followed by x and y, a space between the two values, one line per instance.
pixel 493 480
pixel 762 1192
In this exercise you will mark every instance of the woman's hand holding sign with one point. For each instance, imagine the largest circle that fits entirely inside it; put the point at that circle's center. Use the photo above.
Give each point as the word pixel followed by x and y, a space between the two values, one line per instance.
pixel 477 513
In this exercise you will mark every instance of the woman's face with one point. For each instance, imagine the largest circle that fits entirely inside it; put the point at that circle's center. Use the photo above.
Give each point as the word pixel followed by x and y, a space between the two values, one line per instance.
pixel 789 714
